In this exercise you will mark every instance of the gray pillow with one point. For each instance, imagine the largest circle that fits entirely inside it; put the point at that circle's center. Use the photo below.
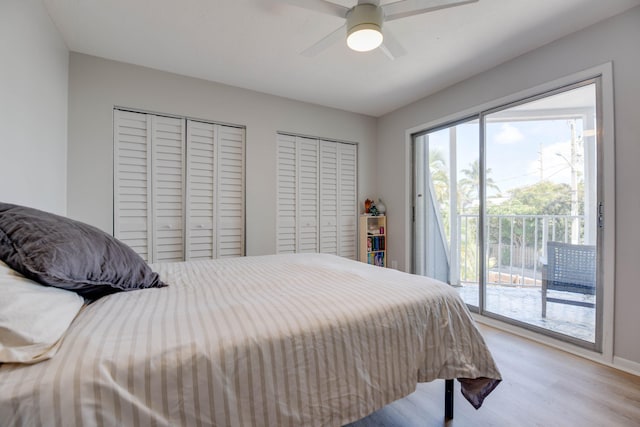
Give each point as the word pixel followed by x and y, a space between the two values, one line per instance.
pixel 60 252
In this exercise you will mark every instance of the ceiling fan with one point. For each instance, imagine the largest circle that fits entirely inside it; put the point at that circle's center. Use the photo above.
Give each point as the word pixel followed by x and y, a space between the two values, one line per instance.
pixel 364 22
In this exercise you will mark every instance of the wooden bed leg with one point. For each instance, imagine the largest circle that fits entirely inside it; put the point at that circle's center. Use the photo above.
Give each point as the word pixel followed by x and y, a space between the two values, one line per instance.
pixel 448 399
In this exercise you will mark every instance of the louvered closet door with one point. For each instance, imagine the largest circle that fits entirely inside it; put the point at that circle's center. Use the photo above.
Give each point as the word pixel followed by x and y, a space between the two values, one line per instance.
pixel 132 181
pixel 317 196
pixel 168 158
pixel 201 190
pixel 287 197
pixel 347 200
pixel 329 197
pixel 308 194
pixel 230 192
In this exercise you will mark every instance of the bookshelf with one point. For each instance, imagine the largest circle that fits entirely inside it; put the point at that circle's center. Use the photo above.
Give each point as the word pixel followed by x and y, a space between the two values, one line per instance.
pixel 373 240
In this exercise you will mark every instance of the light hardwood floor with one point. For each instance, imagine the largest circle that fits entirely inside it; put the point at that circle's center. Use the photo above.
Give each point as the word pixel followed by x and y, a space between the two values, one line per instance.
pixel 541 386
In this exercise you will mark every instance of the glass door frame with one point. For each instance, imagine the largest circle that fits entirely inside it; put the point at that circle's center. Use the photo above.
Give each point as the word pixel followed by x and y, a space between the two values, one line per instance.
pixel 414 243
pixel 598 345
pixel 481 309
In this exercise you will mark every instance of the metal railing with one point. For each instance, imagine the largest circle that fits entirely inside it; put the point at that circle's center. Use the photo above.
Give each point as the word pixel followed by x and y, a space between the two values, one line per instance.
pixel 516 245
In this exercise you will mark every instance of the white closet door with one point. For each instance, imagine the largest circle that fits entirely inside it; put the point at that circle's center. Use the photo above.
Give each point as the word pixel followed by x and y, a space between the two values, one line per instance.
pixel 230 192
pixel 308 194
pixel 201 190
pixel 132 181
pixel 329 197
pixel 347 200
pixel 168 142
pixel 317 196
pixel 287 194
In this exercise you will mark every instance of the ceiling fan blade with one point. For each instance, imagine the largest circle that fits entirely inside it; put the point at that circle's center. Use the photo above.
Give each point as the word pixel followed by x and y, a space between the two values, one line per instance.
pixel 331 38
pixel 404 8
pixel 390 46
pixel 321 6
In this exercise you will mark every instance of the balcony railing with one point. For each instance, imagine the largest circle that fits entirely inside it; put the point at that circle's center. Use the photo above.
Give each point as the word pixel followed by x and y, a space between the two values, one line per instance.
pixel 516 245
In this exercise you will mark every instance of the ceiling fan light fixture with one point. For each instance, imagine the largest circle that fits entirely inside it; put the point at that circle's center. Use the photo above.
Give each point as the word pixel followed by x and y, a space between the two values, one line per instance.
pixel 364 37
pixel 364 27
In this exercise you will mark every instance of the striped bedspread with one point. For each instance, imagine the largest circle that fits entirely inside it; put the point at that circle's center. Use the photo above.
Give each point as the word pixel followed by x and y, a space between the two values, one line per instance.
pixel 278 340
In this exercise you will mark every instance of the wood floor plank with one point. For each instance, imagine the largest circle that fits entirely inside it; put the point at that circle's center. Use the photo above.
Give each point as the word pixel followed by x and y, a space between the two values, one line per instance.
pixel 541 386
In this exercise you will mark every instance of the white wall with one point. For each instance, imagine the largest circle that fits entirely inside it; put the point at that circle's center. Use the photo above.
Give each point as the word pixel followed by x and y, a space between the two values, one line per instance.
pixel 33 131
pixel 33 107
pixel 615 40
pixel 97 85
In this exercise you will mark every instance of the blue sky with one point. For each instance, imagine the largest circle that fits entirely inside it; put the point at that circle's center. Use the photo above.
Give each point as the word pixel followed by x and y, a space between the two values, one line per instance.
pixel 522 152
pixel 514 150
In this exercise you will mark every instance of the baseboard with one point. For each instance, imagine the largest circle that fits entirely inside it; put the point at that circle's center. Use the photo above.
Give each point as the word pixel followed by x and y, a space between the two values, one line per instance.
pixel 626 365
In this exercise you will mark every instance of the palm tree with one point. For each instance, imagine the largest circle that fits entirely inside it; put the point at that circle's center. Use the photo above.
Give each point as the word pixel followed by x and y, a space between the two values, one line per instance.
pixel 439 176
pixel 468 193
pixel 470 184
pixel 439 171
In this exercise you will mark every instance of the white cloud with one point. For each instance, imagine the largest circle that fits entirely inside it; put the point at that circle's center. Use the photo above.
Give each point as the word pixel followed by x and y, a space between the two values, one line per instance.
pixel 508 134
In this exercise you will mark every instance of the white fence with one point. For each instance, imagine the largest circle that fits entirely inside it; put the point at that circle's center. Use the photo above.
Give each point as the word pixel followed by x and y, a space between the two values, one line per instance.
pixel 516 245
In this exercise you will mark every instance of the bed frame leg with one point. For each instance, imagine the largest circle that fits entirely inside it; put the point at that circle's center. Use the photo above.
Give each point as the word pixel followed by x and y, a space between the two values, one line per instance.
pixel 448 399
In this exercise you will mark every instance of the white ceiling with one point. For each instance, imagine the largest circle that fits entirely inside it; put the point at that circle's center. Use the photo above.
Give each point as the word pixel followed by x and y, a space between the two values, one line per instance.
pixel 256 44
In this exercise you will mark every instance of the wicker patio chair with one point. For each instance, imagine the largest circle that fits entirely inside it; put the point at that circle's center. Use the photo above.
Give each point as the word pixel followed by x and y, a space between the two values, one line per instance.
pixel 570 268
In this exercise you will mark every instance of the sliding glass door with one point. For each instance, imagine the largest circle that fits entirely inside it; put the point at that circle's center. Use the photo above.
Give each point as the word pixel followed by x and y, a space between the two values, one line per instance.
pixel 506 210
pixel 447 204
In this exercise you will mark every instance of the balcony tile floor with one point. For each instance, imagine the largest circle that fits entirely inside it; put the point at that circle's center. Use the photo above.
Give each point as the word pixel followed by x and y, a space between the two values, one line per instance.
pixel 525 304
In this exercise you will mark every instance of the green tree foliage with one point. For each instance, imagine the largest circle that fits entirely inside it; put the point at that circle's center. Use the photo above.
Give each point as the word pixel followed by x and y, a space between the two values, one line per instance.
pixel 439 171
pixel 470 184
pixel 510 221
pixel 542 198
pixel 439 175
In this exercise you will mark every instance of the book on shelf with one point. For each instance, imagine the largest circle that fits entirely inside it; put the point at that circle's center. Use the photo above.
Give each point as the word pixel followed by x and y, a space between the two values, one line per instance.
pixel 375 243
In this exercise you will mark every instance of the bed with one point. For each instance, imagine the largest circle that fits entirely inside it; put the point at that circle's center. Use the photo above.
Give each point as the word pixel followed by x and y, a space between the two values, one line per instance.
pixel 274 340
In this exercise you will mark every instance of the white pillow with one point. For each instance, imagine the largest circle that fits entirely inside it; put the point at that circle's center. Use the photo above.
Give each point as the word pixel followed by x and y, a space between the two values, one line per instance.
pixel 33 318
